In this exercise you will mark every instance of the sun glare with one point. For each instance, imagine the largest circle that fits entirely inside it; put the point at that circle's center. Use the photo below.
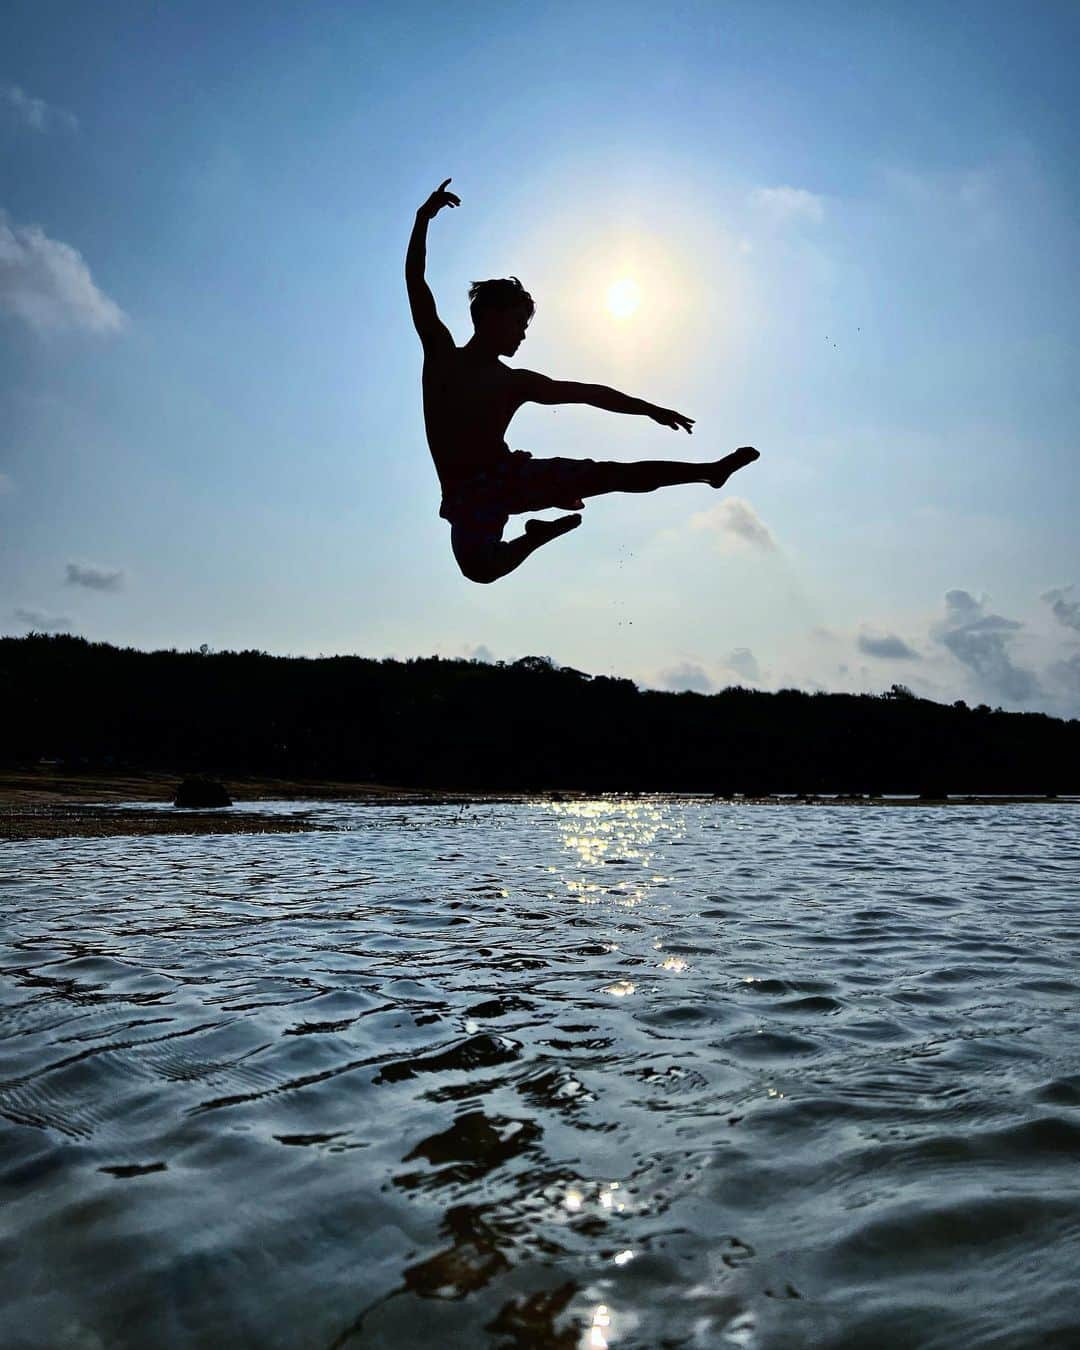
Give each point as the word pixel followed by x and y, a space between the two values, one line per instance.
pixel 623 298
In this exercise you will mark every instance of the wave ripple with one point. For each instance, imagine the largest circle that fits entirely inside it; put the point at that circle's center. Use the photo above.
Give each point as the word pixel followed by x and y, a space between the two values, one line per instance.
pixel 620 1073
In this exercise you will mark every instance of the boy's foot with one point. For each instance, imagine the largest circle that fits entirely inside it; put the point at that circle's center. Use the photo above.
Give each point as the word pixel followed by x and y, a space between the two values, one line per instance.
pixel 551 529
pixel 722 470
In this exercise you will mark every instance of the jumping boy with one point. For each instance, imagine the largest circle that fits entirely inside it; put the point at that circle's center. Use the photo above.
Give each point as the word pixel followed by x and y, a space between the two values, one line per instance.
pixel 469 399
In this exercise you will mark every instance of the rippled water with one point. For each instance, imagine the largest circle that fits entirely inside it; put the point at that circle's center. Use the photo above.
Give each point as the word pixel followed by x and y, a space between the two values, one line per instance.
pixel 615 1073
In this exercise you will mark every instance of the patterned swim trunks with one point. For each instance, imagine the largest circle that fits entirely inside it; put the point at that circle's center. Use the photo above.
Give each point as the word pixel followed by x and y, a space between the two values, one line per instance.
pixel 485 501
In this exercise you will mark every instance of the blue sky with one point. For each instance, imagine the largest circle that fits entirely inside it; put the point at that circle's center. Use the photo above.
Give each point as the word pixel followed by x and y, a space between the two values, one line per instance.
pixel 854 231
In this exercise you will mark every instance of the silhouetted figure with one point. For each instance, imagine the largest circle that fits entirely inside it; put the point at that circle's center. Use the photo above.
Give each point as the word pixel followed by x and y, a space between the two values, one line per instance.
pixel 469 399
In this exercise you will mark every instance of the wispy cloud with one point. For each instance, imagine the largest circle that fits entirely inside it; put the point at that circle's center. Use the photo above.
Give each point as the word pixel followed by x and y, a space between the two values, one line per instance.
pixel 783 204
pixel 981 642
pixel 744 663
pixel 888 647
pixel 94 578
pixel 736 525
pixel 35 113
pixel 6 484
pixel 47 284
pixel 972 202
pixel 686 676
pixel 1064 609
pixel 1066 675
pixel 40 622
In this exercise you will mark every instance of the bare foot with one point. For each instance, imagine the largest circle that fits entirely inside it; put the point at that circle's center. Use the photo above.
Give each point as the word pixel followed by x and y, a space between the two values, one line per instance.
pixel 722 470
pixel 551 529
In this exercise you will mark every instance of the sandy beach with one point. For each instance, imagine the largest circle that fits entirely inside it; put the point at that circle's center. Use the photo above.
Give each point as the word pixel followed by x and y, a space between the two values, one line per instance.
pixel 47 803
pixel 50 803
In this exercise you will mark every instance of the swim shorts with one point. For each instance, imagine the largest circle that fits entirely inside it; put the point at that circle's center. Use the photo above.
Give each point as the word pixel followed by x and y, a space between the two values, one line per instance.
pixel 485 501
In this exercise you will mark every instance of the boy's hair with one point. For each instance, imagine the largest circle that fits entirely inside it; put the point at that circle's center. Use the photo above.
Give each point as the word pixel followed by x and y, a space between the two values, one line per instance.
pixel 501 293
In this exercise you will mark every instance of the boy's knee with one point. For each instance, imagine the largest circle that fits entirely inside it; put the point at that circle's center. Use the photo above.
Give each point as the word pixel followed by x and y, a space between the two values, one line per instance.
pixel 479 565
pixel 482 574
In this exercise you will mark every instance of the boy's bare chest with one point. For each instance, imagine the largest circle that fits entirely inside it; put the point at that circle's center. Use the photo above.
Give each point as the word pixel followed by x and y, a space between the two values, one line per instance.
pixel 477 392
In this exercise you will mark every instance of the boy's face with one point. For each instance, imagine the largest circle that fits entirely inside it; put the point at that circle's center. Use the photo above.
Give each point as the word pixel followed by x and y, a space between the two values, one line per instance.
pixel 507 327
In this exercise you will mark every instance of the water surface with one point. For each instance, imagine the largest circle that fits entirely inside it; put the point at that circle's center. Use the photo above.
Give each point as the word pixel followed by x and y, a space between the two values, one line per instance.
pixel 615 1073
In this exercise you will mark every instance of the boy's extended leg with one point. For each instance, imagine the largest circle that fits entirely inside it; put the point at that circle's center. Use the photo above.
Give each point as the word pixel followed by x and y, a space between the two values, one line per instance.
pixel 650 474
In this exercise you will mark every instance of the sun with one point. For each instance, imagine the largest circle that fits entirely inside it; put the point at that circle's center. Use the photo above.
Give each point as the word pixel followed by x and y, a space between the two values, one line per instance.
pixel 623 298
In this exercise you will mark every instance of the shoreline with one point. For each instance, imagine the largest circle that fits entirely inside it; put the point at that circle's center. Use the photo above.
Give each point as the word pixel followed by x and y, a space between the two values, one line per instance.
pixel 46 804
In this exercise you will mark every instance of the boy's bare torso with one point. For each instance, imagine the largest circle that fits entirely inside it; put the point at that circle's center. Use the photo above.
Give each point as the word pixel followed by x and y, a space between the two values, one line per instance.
pixel 468 405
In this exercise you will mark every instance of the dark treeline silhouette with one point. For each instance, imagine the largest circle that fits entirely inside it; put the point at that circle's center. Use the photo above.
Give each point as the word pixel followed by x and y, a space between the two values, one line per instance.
pixel 529 725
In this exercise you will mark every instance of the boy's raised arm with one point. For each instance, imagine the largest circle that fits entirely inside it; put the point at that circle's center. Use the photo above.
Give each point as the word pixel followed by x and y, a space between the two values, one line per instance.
pixel 433 332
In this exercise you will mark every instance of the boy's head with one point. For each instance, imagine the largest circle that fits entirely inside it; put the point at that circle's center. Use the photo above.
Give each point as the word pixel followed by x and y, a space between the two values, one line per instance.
pixel 501 311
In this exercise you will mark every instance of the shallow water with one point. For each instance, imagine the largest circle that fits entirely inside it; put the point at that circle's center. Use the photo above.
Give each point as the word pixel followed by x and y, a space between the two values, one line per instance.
pixel 616 1073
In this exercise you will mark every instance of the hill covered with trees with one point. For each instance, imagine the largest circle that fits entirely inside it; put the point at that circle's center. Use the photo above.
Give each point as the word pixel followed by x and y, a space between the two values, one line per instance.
pixel 529 725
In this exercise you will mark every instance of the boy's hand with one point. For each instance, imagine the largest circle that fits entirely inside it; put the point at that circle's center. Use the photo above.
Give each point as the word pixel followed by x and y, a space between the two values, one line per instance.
pixel 676 421
pixel 438 199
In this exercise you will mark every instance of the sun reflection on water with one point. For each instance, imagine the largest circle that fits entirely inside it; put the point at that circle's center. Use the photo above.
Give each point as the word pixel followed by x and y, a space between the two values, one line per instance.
pixel 601 1324
pixel 620 988
pixel 610 833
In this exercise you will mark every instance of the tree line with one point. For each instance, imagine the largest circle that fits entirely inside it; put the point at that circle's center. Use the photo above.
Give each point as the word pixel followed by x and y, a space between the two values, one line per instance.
pixel 528 725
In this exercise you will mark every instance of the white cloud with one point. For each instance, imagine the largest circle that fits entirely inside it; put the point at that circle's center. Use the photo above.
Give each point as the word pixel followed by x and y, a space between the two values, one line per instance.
pixel 743 662
pixel 737 526
pixel 35 112
pixel 687 675
pixel 971 203
pixel 1065 610
pixel 981 642
pixel 887 647
pixel 1066 675
pixel 783 204
pixel 94 578
pixel 40 622
pixel 1063 675
pixel 693 676
pixel 47 284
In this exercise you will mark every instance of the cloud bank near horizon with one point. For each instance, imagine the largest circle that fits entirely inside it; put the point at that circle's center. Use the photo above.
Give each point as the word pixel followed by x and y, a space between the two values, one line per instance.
pixel 980 641
pixel 42 622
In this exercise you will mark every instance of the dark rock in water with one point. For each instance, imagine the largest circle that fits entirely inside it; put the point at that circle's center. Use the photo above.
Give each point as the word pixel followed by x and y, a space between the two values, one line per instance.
pixel 202 792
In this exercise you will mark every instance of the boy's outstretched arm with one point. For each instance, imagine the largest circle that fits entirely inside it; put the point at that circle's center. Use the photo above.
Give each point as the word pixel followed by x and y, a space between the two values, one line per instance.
pixel 433 332
pixel 539 389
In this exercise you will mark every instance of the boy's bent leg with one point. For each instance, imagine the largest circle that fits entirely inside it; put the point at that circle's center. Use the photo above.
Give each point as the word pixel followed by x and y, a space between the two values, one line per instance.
pixel 485 558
